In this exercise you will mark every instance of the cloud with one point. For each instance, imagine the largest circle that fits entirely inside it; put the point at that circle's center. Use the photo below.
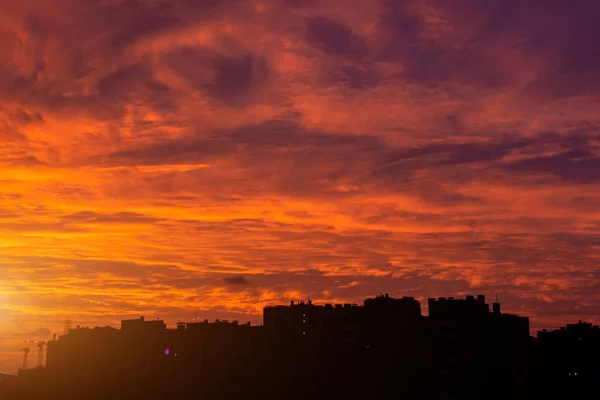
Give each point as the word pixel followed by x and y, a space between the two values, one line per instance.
pixel 126 81
pixel 237 281
pixel 36 334
pixel 137 19
pixel 120 217
pixel 260 149
pixel 358 76
pixel 237 77
pixel 334 38
pixel 576 166
pixel 233 80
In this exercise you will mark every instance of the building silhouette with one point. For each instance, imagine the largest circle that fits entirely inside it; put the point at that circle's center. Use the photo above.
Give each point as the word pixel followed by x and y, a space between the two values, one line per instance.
pixel 383 348
pixel 567 361
pixel 343 350
pixel 477 352
pixel 144 359
pixel 10 386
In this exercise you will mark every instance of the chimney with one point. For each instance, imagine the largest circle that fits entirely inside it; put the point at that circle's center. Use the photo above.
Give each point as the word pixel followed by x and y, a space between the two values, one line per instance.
pixel 481 298
pixel 496 308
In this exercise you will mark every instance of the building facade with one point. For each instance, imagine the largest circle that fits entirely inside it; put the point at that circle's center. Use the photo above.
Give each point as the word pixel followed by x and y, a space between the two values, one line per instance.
pixel 477 352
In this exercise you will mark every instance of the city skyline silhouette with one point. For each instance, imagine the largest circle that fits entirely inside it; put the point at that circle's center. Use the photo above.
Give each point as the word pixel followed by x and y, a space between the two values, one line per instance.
pixel 464 349
pixel 45 335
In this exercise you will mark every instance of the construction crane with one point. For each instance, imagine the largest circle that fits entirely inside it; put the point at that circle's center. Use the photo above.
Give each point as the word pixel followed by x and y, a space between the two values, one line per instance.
pixel 41 344
pixel 25 351
pixel 68 324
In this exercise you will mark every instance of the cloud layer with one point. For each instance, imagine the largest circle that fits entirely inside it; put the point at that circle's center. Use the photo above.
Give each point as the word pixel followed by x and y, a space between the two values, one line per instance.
pixel 179 157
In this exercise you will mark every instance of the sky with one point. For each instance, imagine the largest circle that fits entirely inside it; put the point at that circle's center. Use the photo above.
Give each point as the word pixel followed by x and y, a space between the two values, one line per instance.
pixel 185 159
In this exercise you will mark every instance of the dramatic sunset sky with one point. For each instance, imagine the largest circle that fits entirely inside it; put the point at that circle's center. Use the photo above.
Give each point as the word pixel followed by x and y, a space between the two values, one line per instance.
pixel 184 158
